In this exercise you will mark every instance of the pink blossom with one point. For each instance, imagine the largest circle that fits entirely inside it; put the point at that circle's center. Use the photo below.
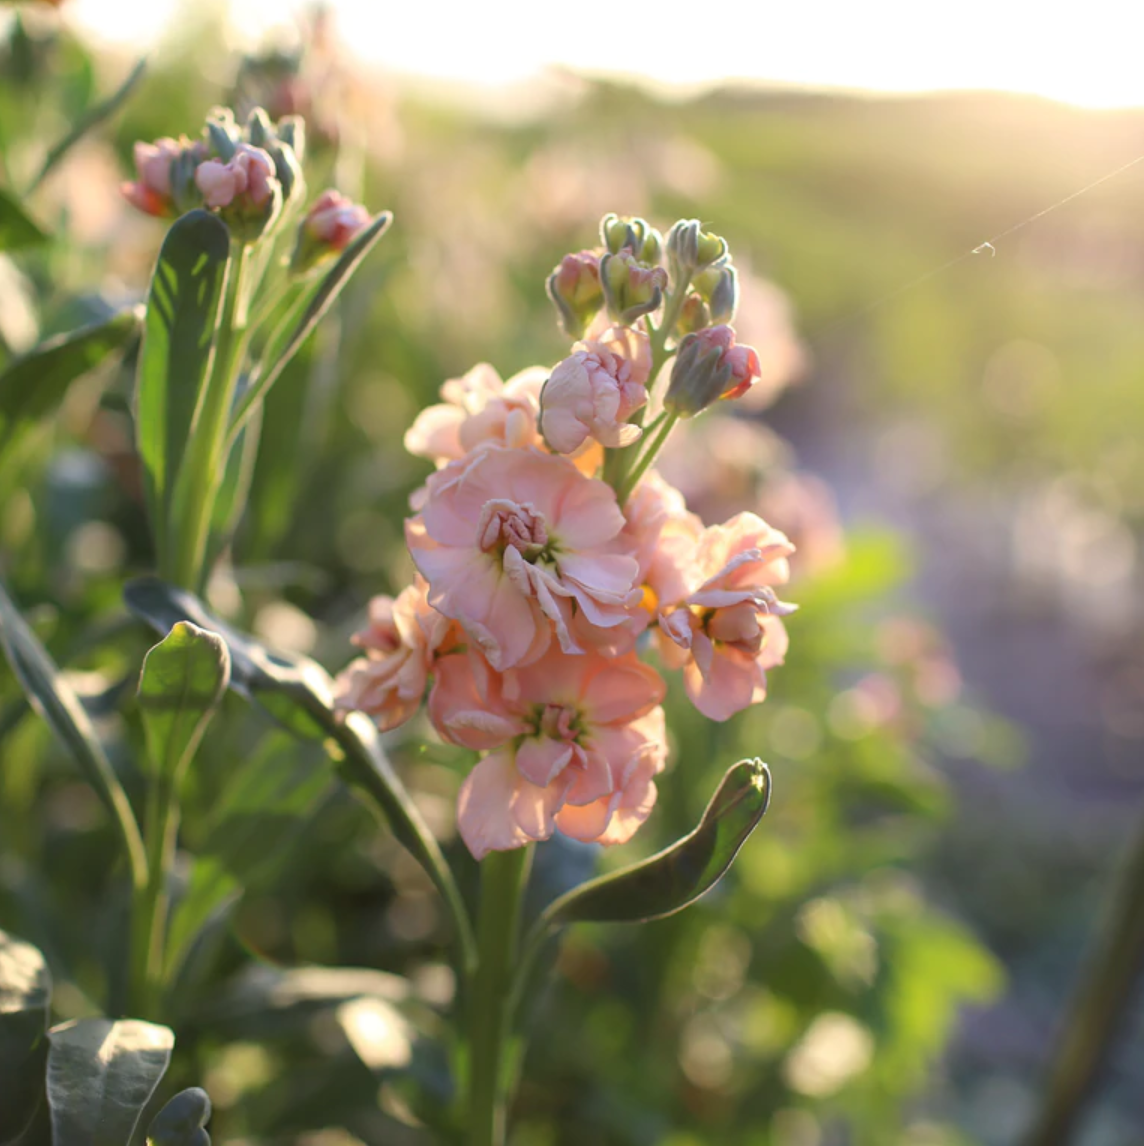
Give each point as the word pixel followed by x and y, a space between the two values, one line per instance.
pixel 574 741
pixel 479 408
pixel 333 220
pixel 726 632
pixel 249 174
pixel 512 542
pixel 401 641
pixel 151 191
pixel 664 535
pixel 594 391
pixel 710 364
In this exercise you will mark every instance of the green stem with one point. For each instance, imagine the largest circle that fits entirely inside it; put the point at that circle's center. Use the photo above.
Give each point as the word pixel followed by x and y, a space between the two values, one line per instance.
pixel 1099 1008
pixel 149 910
pixel 205 461
pixel 618 463
pixel 631 480
pixel 503 878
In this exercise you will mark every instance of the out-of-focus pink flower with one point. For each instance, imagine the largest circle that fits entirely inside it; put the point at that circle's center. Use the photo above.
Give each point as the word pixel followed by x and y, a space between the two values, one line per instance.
pixel 574 740
pixel 804 508
pixel 401 642
pixel 249 175
pixel 479 408
pixel 334 220
pixel 512 542
pixel 151 191
pixel 726 632
pixel 594 391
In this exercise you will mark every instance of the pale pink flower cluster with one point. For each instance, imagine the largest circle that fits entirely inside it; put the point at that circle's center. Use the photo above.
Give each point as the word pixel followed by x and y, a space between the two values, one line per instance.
pixel 151 190
pixel 538 591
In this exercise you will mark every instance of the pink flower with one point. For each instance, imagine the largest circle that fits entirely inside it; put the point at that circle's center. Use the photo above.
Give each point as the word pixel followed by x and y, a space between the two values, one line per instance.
pixel 726 632
pixel 402 641
pixel 249 175
pixel 333 220
pixel 664 535
pixel 575 741
pixel 513 542
pixel 479 408
pixel 594 392
pixel 151 191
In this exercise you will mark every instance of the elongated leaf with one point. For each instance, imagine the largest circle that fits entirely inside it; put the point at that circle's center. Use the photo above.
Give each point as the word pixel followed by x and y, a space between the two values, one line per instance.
pixel 90 119
pixel 17 228
pixel 25 998
pixel 673 879
pixel 263 810
pixel 183 311
pixel 181 1121
pixel 34 385
pixel 184 678
pixel 282 350
pixel 101 1075
pixel 298 693
pixel 51 696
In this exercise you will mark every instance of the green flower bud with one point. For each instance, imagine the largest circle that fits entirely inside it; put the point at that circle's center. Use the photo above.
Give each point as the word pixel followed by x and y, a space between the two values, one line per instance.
pixel 690 249
pixel 574 288
pixel 632 234
pixel 719 288
pixel 630 290
pixel 693 315
pixel 222 133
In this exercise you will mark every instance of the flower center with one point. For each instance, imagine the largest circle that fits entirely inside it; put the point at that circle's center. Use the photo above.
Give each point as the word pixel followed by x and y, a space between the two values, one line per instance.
pixel 506 523
pixel 557 722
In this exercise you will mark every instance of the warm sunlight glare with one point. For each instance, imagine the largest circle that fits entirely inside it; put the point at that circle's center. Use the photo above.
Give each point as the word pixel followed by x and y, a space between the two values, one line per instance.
pixel 1086 56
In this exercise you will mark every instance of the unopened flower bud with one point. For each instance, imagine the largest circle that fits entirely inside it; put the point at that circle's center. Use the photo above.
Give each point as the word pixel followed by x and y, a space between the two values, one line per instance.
pixel 292 132
pixel 710 365
pixel 329 227
pixel 632 234
pixel 260 132
pixel 719 287
pixel 693 315
pixel 151 191
pixel 574 288
pixel 630 290
pixel 690 249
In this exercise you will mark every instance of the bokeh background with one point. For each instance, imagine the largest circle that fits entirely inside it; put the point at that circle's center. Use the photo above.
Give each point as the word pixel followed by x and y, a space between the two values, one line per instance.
pixel 954 440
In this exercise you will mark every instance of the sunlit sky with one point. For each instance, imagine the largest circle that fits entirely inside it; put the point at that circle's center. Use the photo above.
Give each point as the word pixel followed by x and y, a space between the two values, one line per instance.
pixel 1086 53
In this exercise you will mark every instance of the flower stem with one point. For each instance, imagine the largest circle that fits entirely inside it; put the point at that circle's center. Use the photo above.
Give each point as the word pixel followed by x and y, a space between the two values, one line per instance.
pixel 503 879
pixel 1099 1008
pixel 204 464
pixel 631 480
pixel 149 909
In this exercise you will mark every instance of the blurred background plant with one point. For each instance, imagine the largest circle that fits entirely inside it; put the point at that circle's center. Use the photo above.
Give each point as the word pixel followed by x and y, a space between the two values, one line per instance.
pixel 956 737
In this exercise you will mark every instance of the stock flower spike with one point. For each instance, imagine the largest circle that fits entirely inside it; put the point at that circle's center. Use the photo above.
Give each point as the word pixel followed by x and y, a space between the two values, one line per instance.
pixel 546 545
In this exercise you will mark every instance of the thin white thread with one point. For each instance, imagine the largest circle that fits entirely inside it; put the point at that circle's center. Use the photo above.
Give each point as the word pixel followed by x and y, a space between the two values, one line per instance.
pixel 989 245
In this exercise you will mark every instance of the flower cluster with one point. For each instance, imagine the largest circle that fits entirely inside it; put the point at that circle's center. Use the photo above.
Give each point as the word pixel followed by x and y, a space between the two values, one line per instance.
pixel 251 176
pixel 550 555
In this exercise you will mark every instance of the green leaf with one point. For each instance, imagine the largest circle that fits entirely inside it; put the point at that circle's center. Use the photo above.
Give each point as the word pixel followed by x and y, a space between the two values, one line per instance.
pixel 25 998
pixel 283 349
pixel 184 678
pixel 92 118
pixel 101 1075
pixel 298 693
pixel 52 697
pixel 677 877
pixel 181 1121
pixel 17 228
pixel 183 311
pixel 34 385
pixel 263 810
